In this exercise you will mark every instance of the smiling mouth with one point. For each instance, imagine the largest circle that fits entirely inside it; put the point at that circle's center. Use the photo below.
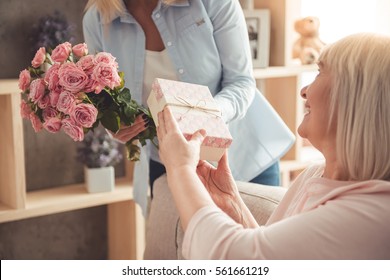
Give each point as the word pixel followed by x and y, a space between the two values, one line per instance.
pixel 306 111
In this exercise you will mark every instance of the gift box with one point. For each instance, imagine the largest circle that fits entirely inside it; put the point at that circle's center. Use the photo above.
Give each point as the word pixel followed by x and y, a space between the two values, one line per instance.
pixel 194 108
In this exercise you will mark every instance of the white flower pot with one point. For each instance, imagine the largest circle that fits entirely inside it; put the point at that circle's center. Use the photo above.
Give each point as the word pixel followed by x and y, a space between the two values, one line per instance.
pixel 99 179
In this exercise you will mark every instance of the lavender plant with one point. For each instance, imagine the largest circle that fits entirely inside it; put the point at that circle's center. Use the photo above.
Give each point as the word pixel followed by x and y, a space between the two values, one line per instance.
pixel 98 149
pixel 52 30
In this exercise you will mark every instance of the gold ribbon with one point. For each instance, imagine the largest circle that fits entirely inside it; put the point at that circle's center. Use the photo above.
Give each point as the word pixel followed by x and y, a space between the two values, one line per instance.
pixel 182 102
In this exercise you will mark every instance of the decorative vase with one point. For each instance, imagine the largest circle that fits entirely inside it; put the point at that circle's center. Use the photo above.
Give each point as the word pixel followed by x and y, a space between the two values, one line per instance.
pixel 99 179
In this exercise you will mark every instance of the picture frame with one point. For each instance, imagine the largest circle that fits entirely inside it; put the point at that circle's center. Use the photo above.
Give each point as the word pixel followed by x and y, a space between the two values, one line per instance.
pixel 259 29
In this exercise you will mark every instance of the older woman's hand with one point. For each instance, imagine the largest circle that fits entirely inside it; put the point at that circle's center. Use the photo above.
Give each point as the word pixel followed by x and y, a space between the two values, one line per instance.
pixel 174 150
pixel 222 187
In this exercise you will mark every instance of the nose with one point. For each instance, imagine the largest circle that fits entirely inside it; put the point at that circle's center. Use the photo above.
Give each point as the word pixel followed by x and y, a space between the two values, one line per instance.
pixel 303 92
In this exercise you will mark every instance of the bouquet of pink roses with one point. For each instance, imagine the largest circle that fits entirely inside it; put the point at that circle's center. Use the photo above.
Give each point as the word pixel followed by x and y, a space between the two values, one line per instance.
pixel 77 92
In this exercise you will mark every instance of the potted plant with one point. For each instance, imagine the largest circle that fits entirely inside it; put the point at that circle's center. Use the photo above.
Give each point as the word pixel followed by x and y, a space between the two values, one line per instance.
pixel 51 30
pixel 99 153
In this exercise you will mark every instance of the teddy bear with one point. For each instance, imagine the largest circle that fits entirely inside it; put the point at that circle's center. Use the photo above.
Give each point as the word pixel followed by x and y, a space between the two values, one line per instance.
pixel 307 48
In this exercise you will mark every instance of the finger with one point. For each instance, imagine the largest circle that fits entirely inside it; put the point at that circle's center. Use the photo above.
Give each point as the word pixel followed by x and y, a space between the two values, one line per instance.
pixel 130 132
pixel 139 119
pixel 224 161
pixel 136 129
pixel 161 123
pixel 170 121
pixel 204 166
pixel 199 136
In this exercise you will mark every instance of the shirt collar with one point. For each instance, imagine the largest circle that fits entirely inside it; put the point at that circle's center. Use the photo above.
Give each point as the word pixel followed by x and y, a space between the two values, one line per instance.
pixel 128 18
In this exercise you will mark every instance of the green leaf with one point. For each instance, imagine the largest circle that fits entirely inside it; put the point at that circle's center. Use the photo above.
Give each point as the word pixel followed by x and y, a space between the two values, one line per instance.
pixel 130 114
pixel 133 151
pixel 124 96
pixel 111 120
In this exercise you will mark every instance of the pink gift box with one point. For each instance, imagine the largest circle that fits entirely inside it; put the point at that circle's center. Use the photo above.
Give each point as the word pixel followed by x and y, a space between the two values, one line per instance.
pixel 194 108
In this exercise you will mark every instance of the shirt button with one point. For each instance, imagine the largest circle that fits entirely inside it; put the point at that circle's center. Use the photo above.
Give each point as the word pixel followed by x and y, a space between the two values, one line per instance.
pixel 157 15
pixel 181 71
pixel 169 43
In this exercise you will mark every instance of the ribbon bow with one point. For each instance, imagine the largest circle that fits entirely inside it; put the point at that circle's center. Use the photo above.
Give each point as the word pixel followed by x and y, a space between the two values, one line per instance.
pixel 201 105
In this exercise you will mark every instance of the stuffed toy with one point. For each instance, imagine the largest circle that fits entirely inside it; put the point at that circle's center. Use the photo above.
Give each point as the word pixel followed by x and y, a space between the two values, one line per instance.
pixel 307 48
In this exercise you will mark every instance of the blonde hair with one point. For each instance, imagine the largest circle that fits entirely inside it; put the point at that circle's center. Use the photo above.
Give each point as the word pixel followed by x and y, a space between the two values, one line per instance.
pixel 110 9
pixel 360 99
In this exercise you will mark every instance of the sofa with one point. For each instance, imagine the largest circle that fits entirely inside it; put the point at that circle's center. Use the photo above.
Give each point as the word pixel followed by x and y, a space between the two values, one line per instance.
pixel 164 234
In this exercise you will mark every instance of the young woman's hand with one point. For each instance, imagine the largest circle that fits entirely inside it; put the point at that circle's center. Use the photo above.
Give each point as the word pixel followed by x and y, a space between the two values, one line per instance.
pixel 126 133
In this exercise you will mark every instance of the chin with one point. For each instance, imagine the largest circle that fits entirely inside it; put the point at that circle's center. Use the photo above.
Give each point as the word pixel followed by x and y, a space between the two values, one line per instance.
pixel 301 131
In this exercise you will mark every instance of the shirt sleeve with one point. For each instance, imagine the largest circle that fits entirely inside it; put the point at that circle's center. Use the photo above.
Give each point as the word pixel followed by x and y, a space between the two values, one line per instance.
pixel 339 229
pixel 231 37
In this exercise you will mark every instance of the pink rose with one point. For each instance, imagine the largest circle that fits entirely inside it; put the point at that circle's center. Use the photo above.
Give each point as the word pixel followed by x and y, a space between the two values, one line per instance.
pixel 52 80
pixel 106 58
pixel 24 79
pixel 36 122
pixel 49 112
pixel 72 78
pixel 73 130
pixel 54 96
pixel 44 102
pixel 51 76
pixel 25 110
pixel 86 63
pixel 85 114
pixel 66 102
pixel 53 125
pixel 80 50
pixel 39 58
pixel 37 90
pixel 105 75
pixel 61 52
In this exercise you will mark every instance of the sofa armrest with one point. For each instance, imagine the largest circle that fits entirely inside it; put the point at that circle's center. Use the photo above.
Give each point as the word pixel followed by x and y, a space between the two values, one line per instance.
pixel 164 234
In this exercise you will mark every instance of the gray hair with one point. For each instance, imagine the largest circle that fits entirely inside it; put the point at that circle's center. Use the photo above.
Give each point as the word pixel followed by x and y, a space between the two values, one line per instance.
pixel 360 99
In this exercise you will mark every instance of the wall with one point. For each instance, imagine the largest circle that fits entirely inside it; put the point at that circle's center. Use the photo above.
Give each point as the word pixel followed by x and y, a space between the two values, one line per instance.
pixel 50 158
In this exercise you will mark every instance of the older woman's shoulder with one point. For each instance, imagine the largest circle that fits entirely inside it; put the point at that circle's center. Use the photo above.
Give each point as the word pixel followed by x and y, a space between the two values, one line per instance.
pixel 314 170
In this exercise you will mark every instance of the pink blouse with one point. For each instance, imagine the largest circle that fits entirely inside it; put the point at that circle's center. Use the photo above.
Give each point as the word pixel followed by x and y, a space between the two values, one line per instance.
pixel 318 218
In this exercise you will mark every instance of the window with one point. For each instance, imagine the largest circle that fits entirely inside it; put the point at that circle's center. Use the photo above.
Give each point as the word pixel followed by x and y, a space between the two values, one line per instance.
pixel 341 18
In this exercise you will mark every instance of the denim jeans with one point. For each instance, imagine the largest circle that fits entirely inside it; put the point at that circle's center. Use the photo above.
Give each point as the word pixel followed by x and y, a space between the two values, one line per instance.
pixel 270 176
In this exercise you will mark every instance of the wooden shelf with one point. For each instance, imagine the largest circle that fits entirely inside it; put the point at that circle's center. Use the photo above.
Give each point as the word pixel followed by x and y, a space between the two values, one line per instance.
pixel 125 223
pixel 66 198
pixel 8 86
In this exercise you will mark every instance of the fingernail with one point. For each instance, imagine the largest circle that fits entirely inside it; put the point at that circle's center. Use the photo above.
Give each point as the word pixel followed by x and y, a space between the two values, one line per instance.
pixel 145 117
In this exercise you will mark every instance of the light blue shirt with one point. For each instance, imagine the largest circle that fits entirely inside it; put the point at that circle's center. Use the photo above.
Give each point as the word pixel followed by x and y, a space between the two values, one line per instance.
pixel 208 43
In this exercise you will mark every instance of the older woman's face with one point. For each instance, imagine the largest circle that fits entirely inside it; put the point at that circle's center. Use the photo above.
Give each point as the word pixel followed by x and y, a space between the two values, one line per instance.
pixel 317 113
